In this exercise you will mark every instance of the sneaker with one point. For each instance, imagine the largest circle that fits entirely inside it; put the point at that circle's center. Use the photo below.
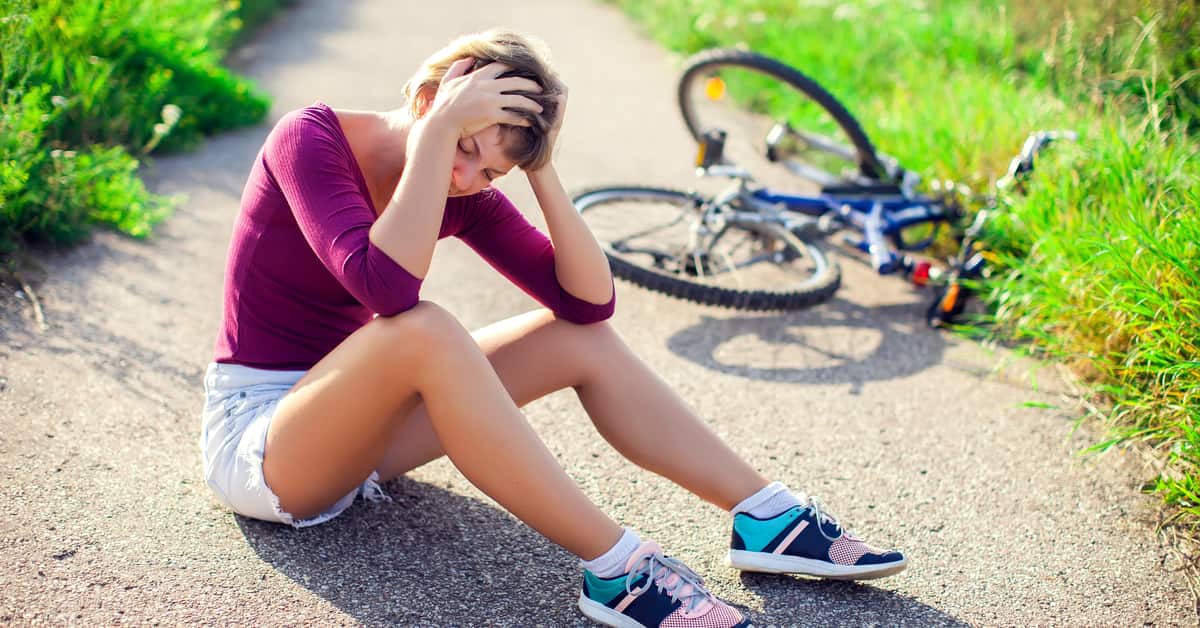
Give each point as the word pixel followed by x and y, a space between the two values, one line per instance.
pixel 794 542
pixel 655 591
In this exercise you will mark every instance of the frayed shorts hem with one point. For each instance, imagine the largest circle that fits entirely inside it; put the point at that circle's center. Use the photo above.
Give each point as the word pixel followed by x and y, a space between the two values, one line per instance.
pixel 238 407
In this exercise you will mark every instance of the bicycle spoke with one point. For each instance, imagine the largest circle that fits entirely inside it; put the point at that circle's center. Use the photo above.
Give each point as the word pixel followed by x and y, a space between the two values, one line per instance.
pixel 646 232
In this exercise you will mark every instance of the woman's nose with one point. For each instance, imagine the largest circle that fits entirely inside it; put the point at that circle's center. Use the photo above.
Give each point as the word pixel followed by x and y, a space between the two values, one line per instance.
pixel 462 179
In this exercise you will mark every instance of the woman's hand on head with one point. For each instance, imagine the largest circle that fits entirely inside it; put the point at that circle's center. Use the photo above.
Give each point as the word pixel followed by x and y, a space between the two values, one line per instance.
pixel 471 102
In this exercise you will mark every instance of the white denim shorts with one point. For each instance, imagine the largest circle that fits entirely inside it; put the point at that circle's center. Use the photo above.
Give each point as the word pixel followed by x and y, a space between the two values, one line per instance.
pixel 239 403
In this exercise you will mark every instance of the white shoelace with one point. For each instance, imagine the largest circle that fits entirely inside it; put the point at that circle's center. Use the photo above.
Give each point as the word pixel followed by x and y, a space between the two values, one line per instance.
pixel 823 517
pixel 659 569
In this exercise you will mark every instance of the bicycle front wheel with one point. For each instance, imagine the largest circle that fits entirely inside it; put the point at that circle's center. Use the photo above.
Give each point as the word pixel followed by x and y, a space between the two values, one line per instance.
pixel 773 117
pixel 664 240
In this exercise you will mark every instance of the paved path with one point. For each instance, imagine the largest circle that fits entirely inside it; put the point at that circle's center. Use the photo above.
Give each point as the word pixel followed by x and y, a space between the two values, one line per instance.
pixel 909 435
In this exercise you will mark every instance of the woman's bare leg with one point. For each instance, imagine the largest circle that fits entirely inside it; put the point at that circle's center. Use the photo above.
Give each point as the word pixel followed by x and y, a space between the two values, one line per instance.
pixel 334 427
pixel 534 354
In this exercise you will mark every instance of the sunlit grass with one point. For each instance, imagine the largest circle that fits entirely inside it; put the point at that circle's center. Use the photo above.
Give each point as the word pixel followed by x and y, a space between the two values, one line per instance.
pixel 1098 265
pixel 89 87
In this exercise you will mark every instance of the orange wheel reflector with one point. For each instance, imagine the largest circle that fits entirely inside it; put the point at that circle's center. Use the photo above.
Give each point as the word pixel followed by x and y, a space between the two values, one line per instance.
pixel 714 88
pixel 951 297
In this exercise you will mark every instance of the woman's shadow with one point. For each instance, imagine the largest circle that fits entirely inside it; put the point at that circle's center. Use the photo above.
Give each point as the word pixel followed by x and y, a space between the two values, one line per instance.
pixel 430 557
pixel 434 557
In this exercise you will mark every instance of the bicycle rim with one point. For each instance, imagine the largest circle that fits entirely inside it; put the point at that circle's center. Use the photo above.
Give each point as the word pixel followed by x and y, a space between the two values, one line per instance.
pixel 753 98
pixel 655 237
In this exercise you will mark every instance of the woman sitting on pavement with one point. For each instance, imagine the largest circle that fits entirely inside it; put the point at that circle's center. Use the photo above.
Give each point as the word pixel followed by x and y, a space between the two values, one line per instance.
pixel 331 376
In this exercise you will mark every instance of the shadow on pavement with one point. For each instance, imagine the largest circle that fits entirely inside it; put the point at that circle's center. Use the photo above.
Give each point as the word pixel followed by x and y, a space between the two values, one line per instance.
pixel 837 342
pixel 797 601
pixel 433 557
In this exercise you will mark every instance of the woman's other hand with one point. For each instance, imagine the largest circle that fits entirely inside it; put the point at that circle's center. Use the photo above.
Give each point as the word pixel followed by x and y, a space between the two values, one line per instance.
pixel 552 135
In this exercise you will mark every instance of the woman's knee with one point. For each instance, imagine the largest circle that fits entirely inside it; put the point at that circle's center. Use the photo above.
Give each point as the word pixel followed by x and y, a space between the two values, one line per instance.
pixel 598 336
pixel 427 326
pixel 420 335
pixel 590 346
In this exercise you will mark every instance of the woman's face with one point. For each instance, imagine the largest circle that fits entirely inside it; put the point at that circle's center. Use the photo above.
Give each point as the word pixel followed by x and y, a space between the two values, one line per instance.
pixel 478 161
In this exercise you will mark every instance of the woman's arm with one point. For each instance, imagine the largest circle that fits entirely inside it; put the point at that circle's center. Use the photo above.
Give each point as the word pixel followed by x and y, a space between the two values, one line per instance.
pixel 579 262
pixel 309 162
pixel 499 232
pixel 407 230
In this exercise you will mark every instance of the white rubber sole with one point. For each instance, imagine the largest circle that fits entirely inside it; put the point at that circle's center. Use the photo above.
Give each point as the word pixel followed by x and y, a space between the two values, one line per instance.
pixel 775 563
pixel 600 613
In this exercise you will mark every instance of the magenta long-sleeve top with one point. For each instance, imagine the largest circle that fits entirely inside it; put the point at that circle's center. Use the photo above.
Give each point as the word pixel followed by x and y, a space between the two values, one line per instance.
pixel 302 274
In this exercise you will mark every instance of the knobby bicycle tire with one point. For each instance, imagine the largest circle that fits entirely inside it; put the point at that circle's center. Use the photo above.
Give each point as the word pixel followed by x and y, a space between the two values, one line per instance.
pixel 869 163
pixel 817 291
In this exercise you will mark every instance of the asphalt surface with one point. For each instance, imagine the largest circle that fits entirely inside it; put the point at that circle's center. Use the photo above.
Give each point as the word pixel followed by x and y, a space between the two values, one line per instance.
pixel 915 439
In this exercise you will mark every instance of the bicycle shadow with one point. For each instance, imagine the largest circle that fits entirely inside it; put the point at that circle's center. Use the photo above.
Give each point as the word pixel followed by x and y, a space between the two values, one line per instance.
pixel 434 557
pixel 839 342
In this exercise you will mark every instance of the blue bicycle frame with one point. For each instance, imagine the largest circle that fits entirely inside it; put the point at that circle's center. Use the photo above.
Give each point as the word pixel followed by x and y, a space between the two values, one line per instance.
pixel 880 214
pixel 880 218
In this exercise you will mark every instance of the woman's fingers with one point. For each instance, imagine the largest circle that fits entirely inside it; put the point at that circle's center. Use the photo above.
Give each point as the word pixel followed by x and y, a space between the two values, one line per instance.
pixel 513 118
pixel 562 110
pixel 516 101
pixel 480 99
pixel 493 69
pixel 517 84
pixel 457 69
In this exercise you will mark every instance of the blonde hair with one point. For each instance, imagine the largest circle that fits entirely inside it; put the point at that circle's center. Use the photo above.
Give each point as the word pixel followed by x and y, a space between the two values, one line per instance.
pixel 526 146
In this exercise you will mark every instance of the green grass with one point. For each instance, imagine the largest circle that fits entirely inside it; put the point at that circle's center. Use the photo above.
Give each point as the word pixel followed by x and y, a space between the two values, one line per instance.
pixel 1098 264
pixel 1104 274
pixel 92 86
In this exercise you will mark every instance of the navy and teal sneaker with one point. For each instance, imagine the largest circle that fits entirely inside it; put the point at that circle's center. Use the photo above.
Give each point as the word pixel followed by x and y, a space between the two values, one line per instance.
pixel 655 591
pixel 806 540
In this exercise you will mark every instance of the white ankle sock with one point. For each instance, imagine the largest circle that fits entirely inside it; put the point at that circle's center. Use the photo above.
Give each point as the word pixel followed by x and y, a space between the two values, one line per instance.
pixel 611 564
pixel 773 499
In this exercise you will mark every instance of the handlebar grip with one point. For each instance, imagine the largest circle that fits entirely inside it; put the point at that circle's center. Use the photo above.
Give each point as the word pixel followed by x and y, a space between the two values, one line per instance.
pixel 1022 164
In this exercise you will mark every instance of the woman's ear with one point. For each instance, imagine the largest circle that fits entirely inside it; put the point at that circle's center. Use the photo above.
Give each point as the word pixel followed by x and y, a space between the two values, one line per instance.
pixel 424 99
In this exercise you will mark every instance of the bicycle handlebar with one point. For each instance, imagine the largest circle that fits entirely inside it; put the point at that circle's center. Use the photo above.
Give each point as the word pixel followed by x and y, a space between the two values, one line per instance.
pixel 1022 164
